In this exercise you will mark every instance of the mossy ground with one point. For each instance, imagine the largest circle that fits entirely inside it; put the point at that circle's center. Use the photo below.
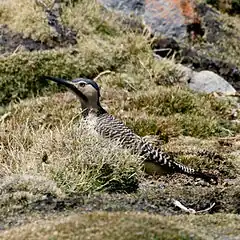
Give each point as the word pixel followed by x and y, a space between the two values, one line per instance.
pixel 51 167
pixel 129 225
pixel 50 164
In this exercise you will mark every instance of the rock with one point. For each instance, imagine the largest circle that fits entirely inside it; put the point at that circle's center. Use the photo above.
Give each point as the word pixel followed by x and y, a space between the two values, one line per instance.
pixel 199 61
pixel 170 18
pixel 133 6
pixel 175 19
pixel 207 81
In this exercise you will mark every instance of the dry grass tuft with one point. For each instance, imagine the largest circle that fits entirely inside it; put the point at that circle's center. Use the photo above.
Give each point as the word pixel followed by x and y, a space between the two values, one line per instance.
pixel 25 17
pixel 18 190
pixel 62 150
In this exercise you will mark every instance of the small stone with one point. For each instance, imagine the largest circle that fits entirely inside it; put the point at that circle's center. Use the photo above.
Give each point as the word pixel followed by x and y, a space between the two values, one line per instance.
pixel 207 81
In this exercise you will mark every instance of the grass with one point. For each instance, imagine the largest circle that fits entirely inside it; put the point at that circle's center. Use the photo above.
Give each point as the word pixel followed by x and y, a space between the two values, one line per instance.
pixel 175 111
pixel 62 151
pixel 31 21
pixel 137 75
pixel 129 225
pixel 45 136
pixel 45 151
pixel 103 43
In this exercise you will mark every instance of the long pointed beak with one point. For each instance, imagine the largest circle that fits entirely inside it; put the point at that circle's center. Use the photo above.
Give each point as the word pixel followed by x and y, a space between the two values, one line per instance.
pixel 68 84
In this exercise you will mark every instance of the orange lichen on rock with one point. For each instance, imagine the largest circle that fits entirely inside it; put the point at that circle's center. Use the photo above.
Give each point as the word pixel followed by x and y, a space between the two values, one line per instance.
pixel 186 7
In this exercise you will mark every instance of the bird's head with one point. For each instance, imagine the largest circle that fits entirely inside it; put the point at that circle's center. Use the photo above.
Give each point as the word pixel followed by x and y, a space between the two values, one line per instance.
pixel 86 90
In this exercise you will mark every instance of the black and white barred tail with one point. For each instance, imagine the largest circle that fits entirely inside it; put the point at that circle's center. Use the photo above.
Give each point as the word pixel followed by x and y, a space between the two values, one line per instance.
pixel 156 155
pixel 111 128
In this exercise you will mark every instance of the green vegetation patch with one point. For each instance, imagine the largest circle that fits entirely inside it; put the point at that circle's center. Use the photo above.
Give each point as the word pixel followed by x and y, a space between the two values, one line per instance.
pixel 46 151
pixel 174 111
pixel 25 17
pixel 103 43
pixel 20 73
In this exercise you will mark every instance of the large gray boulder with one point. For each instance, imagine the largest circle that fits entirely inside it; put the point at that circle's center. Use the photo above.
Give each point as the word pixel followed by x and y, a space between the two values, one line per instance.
pixel 170 18
pixel 207 81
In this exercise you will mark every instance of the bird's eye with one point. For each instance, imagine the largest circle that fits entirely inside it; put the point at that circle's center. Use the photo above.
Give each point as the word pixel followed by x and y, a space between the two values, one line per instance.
pixel 82 84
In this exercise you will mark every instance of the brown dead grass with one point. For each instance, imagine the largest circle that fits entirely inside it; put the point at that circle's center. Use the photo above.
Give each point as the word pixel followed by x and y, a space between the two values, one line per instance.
pixel 36 141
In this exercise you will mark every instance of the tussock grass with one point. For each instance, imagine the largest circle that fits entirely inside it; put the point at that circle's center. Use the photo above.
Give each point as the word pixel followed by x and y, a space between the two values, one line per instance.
pixel 63 151
pixel 18 190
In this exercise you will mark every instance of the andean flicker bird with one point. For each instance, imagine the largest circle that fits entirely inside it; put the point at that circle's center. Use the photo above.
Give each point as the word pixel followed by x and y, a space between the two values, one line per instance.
pixel 104 124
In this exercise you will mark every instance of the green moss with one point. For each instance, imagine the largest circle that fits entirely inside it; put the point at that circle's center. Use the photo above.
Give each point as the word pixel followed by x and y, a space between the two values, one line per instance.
pixel 178 110
pixel 20 74
pixel 164 101
pixel 143 126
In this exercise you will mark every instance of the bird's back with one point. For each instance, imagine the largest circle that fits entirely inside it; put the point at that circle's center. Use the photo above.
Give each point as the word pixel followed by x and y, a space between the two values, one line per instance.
pixel 109 127
pixel 98 120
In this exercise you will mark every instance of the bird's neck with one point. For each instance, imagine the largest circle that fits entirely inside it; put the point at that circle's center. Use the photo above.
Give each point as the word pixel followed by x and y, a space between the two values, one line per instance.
pixel 96 110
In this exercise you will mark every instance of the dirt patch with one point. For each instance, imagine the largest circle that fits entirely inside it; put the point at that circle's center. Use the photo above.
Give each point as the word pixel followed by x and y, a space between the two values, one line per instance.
pixel 154 196
pixel 11 42
pixel 61 35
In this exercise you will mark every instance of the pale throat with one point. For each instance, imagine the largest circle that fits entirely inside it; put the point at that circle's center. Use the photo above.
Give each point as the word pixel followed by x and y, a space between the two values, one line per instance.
pixel 90 107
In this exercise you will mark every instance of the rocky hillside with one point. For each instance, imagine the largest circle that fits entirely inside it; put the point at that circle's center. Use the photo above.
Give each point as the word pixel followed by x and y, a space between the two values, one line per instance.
pixel 169 69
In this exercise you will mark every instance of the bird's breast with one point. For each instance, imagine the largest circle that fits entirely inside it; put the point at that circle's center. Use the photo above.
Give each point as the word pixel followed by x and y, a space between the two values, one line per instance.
pixel 90 123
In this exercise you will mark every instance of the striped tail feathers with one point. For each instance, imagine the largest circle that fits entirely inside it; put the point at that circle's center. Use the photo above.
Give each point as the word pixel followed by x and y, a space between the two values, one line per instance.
pixel 207 176
pixel 156 155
